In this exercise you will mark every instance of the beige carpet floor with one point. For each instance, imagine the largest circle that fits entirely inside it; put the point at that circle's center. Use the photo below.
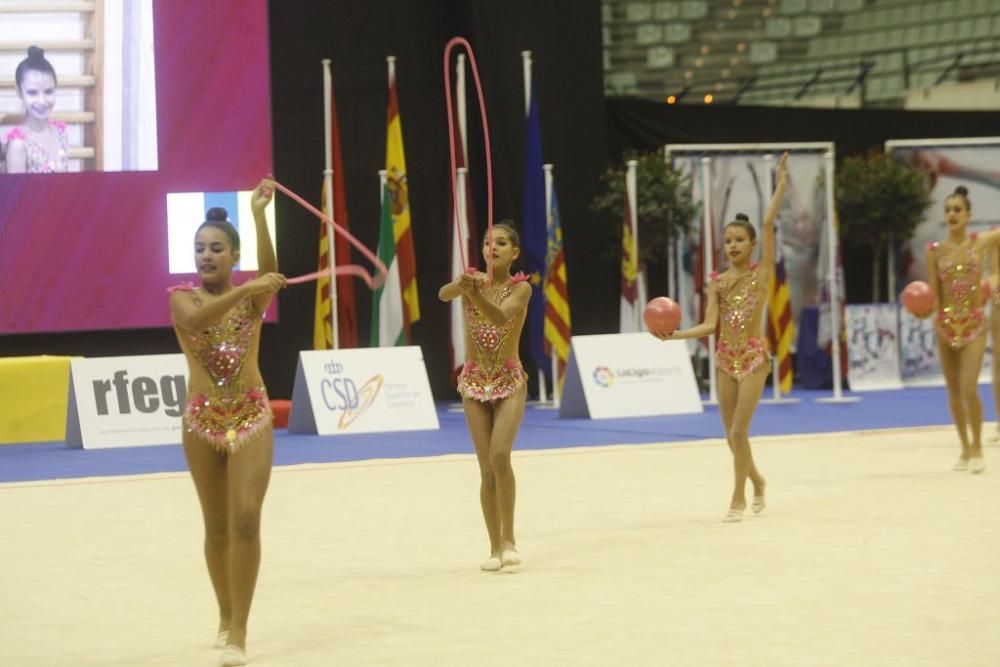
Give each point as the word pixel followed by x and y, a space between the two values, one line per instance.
pixel 871 552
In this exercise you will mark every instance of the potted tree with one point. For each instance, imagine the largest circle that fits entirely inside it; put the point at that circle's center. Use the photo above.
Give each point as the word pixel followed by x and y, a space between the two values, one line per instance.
pixel 880 201
pixel 664 207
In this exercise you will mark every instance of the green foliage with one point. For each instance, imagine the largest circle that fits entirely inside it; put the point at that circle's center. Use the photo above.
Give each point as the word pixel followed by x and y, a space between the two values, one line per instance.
pixel 879 201
pixel 665 207
pixel 879 198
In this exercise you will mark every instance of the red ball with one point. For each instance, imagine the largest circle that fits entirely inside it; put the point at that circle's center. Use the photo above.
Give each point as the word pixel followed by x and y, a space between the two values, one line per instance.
pixel 662 315
pixel 918 298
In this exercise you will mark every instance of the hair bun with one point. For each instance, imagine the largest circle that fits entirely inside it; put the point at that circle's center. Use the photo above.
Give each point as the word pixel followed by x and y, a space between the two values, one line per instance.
pixel 36 53
pixel 962 190
pixel 217 213
pixel 743 217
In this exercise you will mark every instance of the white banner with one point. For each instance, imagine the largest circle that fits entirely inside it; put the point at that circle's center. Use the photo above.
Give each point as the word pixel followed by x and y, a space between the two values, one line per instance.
pixel 873 346
pixel 366 390
pixel 918 355
pixel 628 375
pixel 126 401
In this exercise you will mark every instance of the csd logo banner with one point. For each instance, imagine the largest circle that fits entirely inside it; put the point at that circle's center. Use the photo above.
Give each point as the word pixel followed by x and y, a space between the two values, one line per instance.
pixel 628 375
pixel 367 390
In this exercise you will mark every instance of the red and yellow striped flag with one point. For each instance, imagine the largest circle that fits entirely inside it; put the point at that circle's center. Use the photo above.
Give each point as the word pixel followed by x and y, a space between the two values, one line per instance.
pixel 780 327
pixel 347 324
pixel 396 184
pixel 557 321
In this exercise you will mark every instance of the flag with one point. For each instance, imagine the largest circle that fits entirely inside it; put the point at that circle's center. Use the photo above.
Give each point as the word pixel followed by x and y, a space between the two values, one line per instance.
pixel 347 324
pixel 780 327
pixel 388 314
pixel 399 196
pixel 630 302
pixel 557 320
pixel 535 244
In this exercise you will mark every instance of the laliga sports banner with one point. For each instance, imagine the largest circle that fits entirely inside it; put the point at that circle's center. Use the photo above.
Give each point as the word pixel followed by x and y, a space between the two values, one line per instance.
pixel 365 390
pixel 873 346
pixel 126 401
pixel 628 375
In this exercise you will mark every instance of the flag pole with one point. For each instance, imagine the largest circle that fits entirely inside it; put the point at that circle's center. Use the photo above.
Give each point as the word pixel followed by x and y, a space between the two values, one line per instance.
pixel 631 191
pixel 463 123
pixel 526 66
pixel 328 182
pixel 543 396
pixel 831 230
pixel 462 215
pixel 776 393
pixel 672 243
pixel 708 253
pixel 553 355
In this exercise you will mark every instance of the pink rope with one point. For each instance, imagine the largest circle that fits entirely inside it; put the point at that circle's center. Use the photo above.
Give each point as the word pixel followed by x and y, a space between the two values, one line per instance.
pixel 373 282
pixel 452 43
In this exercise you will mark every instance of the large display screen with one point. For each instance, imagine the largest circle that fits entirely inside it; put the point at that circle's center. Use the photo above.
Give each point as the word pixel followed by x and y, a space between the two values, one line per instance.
pixel 144 113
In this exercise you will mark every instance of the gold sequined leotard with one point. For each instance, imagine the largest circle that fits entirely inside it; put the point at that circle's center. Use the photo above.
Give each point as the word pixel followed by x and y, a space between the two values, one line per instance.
pixel 960 319
pixel 493 371
pixel 227 402
pixel 740 350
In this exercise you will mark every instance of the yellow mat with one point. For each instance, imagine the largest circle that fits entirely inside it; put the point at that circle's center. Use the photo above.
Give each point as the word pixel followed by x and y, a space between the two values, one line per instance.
pixel 33 398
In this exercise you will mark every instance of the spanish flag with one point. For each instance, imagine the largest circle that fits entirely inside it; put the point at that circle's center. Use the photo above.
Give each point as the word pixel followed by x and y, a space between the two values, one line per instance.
pixel 399 199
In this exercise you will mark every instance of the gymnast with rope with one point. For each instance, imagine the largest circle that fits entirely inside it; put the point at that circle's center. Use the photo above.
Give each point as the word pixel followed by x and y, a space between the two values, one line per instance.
pixel 492 382
pixel 228 436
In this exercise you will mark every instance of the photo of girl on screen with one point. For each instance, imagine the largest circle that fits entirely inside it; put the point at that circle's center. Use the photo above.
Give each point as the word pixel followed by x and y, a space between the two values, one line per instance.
pixel 38 145
pixel 83 97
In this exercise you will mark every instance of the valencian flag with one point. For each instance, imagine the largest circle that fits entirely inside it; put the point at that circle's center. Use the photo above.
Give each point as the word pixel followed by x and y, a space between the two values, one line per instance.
pixel 535 233
pixel 780 326
pixel 388 324
pixel 399 197
pixel 347 324
pixel 557 321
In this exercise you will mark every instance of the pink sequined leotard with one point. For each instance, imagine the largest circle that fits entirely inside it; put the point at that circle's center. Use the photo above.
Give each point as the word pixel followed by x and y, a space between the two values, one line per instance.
pixel 493 371
pixel 40 161
pixel 960 319
pixel 740 350
pixel 227 402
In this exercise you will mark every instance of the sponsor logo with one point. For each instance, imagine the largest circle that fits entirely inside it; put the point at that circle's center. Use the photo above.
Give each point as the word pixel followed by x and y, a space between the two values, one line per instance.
pixel 604 376
pixel 342 394
pixel 147 395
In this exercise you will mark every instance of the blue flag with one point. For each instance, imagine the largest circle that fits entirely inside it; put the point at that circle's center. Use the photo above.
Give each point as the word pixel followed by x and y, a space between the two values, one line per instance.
pixel 535 244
